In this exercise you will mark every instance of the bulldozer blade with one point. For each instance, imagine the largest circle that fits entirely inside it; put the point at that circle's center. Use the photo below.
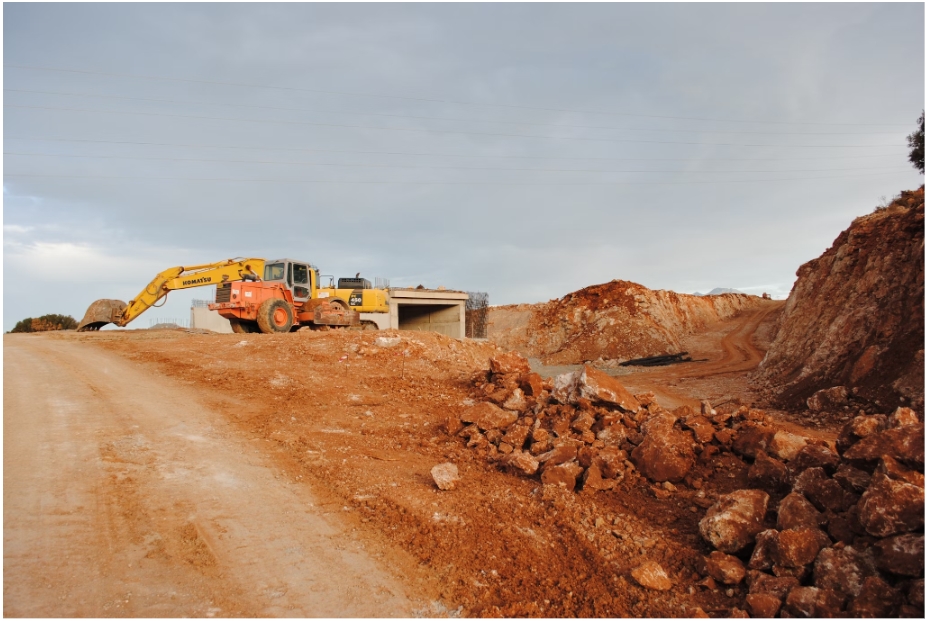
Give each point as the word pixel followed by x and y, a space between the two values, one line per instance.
pixel 101 313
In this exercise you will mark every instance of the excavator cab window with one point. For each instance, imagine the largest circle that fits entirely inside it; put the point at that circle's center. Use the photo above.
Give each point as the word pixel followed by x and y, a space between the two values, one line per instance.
pixel 301 281
pixel 274 271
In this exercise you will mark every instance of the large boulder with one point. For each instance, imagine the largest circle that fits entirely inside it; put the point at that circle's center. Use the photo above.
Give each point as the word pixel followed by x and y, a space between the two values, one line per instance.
pixel 824 493
pixel 763 556
pixel 724 568
pixel 904 555
pixel 564 474
pixel 785 445
pixel 595 386
pixel 522 462
pixel 752 439
pixel 814 456
pixel 509 363
pixel 828 399
pixel 796 512
pixel 891 507
pixel 813 602
pixel 906 444
pixel 877 599
pixel 779 587
pixel 665 454
pixel 858 428
pixel 488 416
pixel 735 519
pixel 768 474
pixel 852 479
pixel 796 548
pixel 843 570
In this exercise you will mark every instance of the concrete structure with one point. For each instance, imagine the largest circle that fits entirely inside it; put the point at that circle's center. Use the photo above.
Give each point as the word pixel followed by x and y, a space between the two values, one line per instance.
pixel 424 310
pixel 206 319
pixel 428 310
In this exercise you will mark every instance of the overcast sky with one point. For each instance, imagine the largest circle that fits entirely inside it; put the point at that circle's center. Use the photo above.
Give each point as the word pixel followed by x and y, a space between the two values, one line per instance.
pixel 523 150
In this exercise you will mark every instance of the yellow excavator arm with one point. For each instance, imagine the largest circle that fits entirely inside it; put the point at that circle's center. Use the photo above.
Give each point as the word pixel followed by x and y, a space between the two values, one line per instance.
pixel 103 312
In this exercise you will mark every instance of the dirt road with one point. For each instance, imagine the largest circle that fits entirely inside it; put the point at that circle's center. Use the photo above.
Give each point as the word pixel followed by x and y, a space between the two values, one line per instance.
pixel 125 496
pixel 731 350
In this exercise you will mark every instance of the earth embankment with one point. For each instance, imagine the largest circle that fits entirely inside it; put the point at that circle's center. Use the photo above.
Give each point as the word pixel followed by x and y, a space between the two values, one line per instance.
pixel 855 317
pixel 616 320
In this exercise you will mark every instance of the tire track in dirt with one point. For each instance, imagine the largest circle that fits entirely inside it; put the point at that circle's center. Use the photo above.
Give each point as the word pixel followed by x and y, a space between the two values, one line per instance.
pixel 124 497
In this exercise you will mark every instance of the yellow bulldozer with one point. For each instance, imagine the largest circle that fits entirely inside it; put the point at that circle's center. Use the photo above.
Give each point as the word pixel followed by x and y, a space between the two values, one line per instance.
pixel 256 295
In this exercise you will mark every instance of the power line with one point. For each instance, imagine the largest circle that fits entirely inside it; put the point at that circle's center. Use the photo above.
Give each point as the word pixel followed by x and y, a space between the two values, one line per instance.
pixel 423 99
pixel 439 118
pixel 482 168
pixel 455 183
pixel 458 155
pixel 442 131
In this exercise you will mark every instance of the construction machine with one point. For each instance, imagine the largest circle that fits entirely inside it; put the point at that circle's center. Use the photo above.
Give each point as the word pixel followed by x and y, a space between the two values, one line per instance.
pixel 290 296
pixel 255 295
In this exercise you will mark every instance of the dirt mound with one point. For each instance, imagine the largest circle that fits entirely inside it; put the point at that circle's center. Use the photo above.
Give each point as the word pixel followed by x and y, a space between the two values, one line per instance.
pixel 855 316
pixel 617 320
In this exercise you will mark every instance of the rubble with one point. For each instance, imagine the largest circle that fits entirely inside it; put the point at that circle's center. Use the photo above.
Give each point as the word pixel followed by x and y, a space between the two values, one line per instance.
pixel 846 538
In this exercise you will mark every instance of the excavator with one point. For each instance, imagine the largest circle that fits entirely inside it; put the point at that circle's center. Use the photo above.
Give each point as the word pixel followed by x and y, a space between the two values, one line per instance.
pixel 255 295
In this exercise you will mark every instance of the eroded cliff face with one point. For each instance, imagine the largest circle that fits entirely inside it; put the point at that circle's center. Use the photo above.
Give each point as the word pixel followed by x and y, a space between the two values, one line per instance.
pixel 616 320
pixel 855 315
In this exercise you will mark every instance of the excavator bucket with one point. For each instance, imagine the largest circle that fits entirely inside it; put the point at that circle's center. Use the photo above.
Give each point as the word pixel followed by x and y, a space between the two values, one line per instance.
pixel 101 313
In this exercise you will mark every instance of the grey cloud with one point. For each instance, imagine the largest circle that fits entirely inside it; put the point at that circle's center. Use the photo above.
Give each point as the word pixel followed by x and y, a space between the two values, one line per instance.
pixel 524 240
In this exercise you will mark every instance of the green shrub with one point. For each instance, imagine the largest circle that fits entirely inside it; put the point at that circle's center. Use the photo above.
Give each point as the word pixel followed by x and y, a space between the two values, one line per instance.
pixel 46 323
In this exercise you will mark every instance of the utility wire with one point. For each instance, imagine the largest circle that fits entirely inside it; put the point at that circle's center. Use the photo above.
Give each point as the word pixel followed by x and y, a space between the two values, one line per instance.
pixel 443 131
pixel 456 183
pixel 459 155
pixel 416 167
pixel 440 118
pixel 422 99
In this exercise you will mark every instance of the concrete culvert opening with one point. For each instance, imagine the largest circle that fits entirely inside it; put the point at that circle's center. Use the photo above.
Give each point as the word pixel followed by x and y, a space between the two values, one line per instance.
pixel 444 319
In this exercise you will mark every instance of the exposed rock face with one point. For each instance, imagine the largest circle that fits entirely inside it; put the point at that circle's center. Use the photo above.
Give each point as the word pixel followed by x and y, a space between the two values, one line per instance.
pixel 615 320
pixel 855 316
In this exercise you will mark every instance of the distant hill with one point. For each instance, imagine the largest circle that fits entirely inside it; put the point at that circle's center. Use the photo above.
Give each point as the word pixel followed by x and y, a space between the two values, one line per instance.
pixel 720 291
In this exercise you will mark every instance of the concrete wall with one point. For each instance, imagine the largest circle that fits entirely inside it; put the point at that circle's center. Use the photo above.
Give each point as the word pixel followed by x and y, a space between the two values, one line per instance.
pixel 381 319
pixel 207 319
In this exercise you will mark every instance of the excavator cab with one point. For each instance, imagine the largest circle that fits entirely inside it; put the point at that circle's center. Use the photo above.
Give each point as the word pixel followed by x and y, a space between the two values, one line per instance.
pixel 299 277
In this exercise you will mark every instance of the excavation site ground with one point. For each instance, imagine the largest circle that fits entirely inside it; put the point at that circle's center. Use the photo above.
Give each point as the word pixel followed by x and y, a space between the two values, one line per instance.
pixel 172 473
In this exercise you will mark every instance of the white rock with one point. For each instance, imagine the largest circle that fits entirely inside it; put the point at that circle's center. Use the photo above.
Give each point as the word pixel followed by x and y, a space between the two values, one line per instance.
pixel 445 475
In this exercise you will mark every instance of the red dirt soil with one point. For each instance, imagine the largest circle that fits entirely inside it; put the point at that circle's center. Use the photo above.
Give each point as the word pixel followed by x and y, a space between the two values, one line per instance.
pixel 362 425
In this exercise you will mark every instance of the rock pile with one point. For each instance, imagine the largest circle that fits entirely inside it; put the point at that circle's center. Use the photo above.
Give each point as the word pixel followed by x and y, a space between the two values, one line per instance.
pixel 847 537
pixel 584 428
pixel 822 530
